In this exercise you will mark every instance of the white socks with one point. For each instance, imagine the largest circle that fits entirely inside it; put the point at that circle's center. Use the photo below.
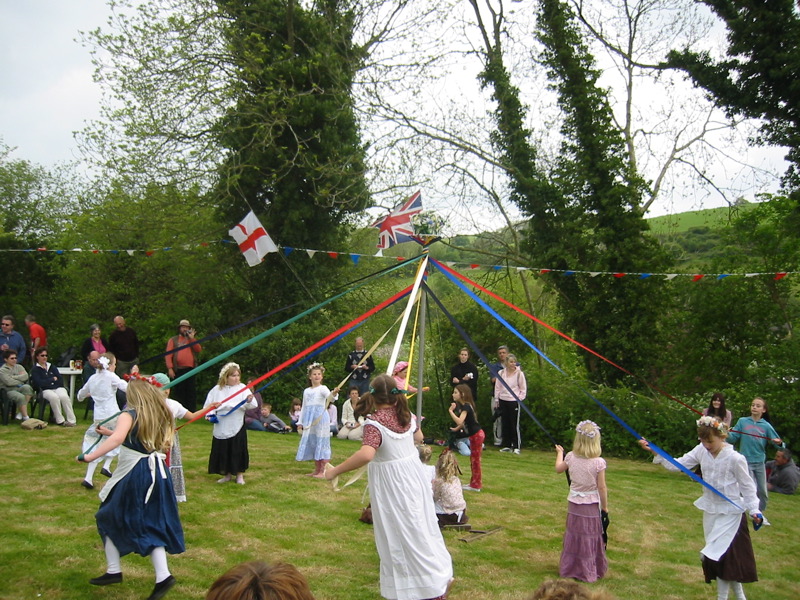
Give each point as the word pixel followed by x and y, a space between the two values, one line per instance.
pixel 112 557
pixel 738 590
pixel 90 469
pixel 159 559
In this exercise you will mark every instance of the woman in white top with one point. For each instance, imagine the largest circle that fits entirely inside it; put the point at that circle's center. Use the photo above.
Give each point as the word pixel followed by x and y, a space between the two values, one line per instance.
pixel 514 378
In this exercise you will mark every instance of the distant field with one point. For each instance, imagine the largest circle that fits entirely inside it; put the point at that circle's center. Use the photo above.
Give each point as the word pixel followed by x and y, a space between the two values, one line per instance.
pixel 682 222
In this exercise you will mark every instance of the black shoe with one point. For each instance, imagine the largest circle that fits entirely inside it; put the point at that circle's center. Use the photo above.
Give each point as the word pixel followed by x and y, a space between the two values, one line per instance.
pixel 160 589
pixel 107 579
pixel 105 472
pixel 88 485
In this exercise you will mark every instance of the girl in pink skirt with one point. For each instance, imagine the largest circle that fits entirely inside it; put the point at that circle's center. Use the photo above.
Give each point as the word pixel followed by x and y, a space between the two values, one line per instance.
pixel 584 556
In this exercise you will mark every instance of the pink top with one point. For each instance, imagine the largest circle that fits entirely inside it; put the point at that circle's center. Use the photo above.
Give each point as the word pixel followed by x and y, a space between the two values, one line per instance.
pixel 583 474
pixel 726 420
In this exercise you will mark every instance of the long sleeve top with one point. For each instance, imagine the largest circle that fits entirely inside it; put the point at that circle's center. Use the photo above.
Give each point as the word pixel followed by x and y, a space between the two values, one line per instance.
pixel 47 377
pixel 231 419
pixel 753 448
pixel 727 472
pixel 516 381
pixel 13 377
pixel 102 387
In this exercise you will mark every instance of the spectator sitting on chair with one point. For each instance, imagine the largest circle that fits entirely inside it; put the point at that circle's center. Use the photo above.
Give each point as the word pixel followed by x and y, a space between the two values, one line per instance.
pixel 47 378
pixel 10 339
pixel 351 426
pixel 14 378
pixel 784 474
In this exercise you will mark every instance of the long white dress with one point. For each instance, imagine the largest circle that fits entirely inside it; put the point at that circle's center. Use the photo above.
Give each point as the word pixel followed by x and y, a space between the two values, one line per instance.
pixel 415 563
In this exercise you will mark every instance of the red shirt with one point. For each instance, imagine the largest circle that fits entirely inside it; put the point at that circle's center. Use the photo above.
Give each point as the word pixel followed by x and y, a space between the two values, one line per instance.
pixel 37 331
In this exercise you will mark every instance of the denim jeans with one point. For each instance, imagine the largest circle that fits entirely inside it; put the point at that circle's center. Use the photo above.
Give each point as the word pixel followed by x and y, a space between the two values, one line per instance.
pixel 759 474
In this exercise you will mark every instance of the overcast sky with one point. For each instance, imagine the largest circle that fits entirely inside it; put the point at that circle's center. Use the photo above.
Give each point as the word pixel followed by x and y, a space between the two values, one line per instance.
pixel 46 88
pixel 47 92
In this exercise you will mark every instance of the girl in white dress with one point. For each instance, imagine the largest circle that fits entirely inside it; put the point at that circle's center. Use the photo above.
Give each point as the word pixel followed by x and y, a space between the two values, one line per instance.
pixel 315 422
pixel 415 563
pixel 102 387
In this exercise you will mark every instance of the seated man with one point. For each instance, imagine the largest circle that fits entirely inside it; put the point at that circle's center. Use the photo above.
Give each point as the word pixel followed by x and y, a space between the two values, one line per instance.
pixel 14 378
pixel 783 473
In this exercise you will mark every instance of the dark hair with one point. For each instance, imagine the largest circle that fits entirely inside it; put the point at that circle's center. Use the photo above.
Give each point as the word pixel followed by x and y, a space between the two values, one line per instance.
pixel 713 412
pixel 466 394
pixel 39 350
pixel 9 353
pixel 787 454
pixel 383 391
pixel 257 580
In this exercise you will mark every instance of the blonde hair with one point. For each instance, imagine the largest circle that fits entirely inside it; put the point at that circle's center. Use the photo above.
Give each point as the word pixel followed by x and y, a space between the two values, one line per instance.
pixel 153 418
pixel 447 466
pixel 424 453
pixel 587 440
pixel 225 372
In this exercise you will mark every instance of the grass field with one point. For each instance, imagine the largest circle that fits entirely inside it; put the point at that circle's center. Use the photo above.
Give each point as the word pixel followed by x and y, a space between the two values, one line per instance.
pixel 682 222
pixel 50 547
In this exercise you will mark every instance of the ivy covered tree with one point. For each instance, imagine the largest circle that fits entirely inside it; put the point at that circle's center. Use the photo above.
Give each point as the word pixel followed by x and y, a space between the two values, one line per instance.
pixel 598 209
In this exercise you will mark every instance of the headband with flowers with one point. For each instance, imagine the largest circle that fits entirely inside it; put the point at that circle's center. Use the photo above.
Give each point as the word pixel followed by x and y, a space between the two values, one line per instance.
pixel 709 421
pixel 228 366
pixel 588 428
pixel 151 380
pixel 315 365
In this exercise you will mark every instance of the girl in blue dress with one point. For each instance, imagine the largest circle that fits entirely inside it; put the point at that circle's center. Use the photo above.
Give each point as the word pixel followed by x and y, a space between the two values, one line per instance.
pixel 139 512
pixel 315 422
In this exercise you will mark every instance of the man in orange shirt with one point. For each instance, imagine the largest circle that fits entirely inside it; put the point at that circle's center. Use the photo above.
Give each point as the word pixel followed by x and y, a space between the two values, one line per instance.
pixel 38 335
pixel 182 350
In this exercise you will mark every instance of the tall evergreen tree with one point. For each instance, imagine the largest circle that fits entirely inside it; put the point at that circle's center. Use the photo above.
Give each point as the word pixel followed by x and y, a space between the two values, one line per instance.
pixel 294 150
pixel 603 193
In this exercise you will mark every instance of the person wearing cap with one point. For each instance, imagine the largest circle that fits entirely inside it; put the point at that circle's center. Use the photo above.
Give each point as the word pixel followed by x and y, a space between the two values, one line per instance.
pixel 182 350
pixel 400 374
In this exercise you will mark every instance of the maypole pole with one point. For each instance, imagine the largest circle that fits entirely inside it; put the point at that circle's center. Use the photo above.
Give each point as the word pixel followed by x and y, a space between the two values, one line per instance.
pixel 423 301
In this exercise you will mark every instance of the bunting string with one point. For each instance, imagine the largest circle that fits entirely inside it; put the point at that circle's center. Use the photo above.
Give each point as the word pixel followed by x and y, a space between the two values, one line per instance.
pixel 356 257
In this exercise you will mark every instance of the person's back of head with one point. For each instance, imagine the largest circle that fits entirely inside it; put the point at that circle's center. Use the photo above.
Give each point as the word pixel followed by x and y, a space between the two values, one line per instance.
pixel 259 581
pixel 567 589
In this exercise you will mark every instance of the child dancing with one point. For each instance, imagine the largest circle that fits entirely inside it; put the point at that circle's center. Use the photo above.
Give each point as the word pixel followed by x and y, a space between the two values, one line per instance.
pixel 462 411
pixel 102 387
pixel 315 423
pixel 138 511
pixel 728 554
pixel 229 454
pixel 584 556
pixel 415 563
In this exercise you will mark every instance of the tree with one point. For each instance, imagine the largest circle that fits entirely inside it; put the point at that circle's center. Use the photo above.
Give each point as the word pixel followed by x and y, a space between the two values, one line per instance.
pixel 759 77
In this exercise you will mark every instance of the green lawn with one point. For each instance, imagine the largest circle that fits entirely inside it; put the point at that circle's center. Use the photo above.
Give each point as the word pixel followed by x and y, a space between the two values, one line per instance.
pixel 50 547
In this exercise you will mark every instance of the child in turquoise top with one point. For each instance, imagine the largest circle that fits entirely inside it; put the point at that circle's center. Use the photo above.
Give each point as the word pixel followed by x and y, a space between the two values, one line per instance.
pixel 753 448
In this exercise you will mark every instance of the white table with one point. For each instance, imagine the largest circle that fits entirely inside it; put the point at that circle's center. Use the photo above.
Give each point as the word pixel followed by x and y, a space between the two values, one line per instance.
pixel 72 374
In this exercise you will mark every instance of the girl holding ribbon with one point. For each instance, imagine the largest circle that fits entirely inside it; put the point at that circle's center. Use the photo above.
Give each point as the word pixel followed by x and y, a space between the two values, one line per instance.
pixel 728 554
pixel 315 422
pixel 139 512
pixel 583 556
pixel 229 401
pixel 102 388
pixel 414 561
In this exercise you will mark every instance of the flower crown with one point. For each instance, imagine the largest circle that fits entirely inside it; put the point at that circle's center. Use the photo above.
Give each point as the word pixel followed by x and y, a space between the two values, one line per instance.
pixel 151 380
pixel 709 421
pixel 315 365
pixel 588 428
pixel 227 367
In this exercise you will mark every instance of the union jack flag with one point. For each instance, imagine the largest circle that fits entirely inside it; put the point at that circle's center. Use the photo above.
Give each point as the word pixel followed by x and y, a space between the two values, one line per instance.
pixel 395 228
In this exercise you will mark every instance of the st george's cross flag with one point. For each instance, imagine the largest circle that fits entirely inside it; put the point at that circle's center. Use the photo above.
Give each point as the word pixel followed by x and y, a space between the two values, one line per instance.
pixel 253 239
pixel 395 228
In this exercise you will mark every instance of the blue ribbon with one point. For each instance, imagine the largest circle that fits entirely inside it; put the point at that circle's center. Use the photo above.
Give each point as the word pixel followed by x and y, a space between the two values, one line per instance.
pixel 611 413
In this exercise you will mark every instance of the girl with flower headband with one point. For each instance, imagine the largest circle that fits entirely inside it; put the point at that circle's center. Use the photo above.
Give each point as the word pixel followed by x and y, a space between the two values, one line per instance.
pixel 228 401
pixel 415 563
pixel 102 388
pixel 315 422
pixel 139 513
pixel 728 554
pixel 583 556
